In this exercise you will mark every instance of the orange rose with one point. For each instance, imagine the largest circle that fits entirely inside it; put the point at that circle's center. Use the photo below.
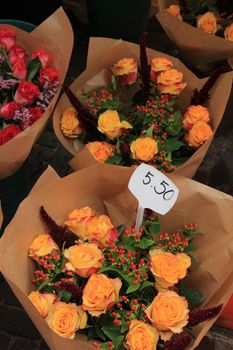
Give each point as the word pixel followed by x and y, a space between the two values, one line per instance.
pixel 168 268
pixel 144 149
pixel 78 221
pixel 141 336
pixel 228 33
pixel 66 319
pixel 194 114
pixel 109 124
pixel 170 82
pixel 126 70
pixel 101 151
pixel 159 64
pixel 168 313
pixel 42 302
pixel 200 132
pixel 175 11
pixel 70 124
pixel 84 259
pixel 101 229
pixel 100 294
pixel 208 23
pixel 41 246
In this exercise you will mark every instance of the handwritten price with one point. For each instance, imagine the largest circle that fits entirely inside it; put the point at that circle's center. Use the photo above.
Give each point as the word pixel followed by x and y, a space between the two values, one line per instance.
pixel 167 194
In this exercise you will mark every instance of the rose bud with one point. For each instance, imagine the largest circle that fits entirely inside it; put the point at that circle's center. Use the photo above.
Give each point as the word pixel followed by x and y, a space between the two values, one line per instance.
pixel 16 52
pixel 42 302
pixel 8 133
pixel 8 109
pixel 41 246
pixel 7 38
pixel 126 70
pixel 19 69
pixel 49 74
pixel 26 93
pixel 36 114
pixel 43 56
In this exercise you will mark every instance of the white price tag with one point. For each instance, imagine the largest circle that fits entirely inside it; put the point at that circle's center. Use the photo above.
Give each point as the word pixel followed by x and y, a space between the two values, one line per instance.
pixel 153 190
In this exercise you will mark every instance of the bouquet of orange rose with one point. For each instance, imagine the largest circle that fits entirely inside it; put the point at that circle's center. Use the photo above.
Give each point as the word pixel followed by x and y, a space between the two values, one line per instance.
pixel 88 272
pixel 131 112
pixel 213 21
pixel 32 70
pixel 123 287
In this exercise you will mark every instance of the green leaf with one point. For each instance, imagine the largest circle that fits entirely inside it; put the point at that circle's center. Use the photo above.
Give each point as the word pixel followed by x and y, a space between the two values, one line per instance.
pixel 117 159
pixel 145 243
pixel 33 68
pixel 111 333
pixel 172 144
pixel 65 296
pixel 146 284
pixel 149 132
pixel 117 342
pixel 193 296
pixel 114 270
pixel 114 82
pixel 132 288
pixel 154 228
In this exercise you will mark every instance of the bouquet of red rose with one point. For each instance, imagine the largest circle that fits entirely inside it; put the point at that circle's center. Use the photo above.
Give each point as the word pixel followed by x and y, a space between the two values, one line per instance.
pixel 132 110
pixel 30 80
pixel 209 23
pixel 90 273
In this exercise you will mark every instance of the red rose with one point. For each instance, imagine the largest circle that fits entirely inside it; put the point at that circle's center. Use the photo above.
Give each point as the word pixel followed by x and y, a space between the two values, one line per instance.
pixel 8 133
pixel 26 93
pixel 7 39
pixel 16 52
pixel 19 69
pixel 8 109
pixel 43 56
pixel 36 113
pixel 48 74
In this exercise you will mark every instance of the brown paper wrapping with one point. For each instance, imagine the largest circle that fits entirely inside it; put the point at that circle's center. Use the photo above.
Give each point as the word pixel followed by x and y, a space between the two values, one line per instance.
pixel 104 187
pixel 202 49
pixel 55 35
pixel 102 54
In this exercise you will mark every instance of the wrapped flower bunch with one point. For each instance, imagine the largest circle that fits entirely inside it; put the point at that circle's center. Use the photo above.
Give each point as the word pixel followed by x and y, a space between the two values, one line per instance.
pixel 28 83
pixel 136 117
pixel 212 16
pixel 123 288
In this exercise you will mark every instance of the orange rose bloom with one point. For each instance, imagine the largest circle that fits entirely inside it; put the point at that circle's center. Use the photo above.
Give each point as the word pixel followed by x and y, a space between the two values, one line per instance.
pixel 170 82
pixel 100 294
pixel 208 23
pixel 168 268
pixel 200 132
pixel 101 151
pixel 70 124
pixel 101 229
pixel 41 246
pixel 78 221
pixel 141 336
pixel 84 259
pixel 159 64
pixel 228 33
pixel 175 11
pixel 66 319
pixel 126 70
pixel 144 149
pixel 168 312
pixel 194 114
pixel 109 124
pixel 42 302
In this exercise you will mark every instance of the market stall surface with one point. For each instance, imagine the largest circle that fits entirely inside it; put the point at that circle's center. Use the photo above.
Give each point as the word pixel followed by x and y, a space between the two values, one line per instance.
pixel 17 332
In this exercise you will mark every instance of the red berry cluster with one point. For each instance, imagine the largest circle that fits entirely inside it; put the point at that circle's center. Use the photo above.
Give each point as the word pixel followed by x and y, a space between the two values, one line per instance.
pixel 158 112
pixel 178 241
pixel 99 100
